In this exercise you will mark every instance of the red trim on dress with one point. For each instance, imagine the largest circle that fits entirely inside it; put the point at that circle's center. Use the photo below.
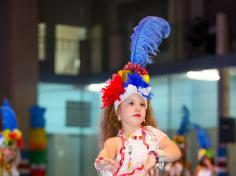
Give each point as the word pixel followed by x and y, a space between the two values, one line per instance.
pixel 122 153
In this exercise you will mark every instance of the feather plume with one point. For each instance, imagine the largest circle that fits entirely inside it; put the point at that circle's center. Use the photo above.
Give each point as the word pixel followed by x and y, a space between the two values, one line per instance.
pixel 8 116
pixel 146 39
pixel 185 122
pixel 112 91
pixel 203 137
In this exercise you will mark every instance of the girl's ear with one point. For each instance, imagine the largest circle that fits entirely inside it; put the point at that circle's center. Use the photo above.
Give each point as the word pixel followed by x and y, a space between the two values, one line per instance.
pixel 117 111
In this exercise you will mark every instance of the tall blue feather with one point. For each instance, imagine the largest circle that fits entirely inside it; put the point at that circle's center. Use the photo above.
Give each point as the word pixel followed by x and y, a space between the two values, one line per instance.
pixel 185 122
pixel 146 39
pixel 203 137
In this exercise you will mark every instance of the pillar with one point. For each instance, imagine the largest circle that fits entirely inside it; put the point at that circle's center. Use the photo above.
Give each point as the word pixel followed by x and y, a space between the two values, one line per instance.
pixel 18 57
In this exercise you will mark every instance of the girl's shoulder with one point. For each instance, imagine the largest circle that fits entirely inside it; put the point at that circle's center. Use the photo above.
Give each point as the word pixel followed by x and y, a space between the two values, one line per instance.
pixel 113 140
pixel 156 131
pixel 114 143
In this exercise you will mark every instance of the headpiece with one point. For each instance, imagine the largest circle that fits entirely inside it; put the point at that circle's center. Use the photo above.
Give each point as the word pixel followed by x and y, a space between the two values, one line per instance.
pixel 10 134
pixel 204 142
pixel 180 137
pixel 134 78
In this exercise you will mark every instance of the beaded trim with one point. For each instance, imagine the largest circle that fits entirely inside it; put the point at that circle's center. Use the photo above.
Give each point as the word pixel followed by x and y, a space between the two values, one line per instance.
pixel 122 153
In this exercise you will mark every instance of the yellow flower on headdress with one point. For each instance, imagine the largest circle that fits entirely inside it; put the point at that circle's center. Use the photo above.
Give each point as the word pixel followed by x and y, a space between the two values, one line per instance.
pixel 146 78
pixel 123 74
pixel 11 136
pixel 201 153
pixel 6 134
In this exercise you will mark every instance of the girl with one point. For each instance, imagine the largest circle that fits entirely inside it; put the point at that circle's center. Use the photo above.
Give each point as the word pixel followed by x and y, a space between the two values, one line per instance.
pixel 10 141
pixel 132 143
pixel 205 166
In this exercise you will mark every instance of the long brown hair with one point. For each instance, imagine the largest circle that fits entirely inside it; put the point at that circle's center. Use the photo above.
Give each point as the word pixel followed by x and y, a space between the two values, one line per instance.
pixel 110 125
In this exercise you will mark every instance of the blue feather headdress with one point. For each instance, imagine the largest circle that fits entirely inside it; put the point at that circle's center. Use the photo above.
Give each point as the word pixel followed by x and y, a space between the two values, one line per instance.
pixel 10 134
pixel 180 138
pixel 145 41
pixel 202 136
pixel 185 122
pixel 8 116
pixel 147 38
pixel 204 141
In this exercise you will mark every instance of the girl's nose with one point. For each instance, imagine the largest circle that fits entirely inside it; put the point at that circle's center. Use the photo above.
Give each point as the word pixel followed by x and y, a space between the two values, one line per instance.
pixel 137 107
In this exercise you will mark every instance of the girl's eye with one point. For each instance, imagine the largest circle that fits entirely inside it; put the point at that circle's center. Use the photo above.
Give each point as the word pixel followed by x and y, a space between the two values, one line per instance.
pixel 131 103
pixel 142 104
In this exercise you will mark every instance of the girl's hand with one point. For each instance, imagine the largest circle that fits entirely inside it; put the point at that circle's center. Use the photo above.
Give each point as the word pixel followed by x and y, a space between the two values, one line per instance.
pixel 150 166
pixel 106 164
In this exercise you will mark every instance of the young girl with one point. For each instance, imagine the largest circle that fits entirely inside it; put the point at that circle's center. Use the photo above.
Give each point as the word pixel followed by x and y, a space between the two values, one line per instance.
pixel 10 141
pixel 132 143
pixel 180 167
pixel 205 166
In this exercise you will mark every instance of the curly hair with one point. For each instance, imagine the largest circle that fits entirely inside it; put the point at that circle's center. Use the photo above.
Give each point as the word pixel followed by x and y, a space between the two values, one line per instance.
pixel 110 125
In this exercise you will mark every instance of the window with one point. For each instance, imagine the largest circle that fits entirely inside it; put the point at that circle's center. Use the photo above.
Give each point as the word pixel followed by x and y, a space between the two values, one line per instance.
pixel 42 41
pixel 67 52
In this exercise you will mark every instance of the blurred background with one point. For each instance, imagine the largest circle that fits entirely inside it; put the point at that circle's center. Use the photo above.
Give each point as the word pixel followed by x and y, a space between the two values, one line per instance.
pixel 56 53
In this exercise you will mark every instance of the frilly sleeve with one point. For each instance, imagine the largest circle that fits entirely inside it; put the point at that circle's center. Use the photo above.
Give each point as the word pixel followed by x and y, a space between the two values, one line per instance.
pixel 156 135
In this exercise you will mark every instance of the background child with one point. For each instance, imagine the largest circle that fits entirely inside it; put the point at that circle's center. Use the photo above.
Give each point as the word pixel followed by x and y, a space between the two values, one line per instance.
pixel 10 141
pixel 132 143
pixel 205 166
pixel 181 167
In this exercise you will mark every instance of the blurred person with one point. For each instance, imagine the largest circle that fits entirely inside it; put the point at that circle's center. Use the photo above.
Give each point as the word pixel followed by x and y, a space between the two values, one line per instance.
pixel 205 166
pixel 10 141
pixel 180 167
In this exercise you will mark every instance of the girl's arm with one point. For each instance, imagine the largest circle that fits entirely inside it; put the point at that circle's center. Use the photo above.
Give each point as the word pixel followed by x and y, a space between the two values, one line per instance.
pixel 105 160
pixel 167 152
pixel 170 149
pixel 198 168
pixel 110 148
pixel 167 149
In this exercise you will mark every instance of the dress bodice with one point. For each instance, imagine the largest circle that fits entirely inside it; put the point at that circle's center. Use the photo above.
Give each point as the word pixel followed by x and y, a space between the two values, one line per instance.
pixel 134 151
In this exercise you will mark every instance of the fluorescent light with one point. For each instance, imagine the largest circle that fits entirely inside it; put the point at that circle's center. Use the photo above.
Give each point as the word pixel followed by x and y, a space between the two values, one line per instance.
pixel 205 75
pixel 96 87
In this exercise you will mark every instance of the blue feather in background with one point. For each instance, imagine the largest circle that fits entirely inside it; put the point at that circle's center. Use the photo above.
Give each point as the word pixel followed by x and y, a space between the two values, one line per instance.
pixel 8 116
pixel 146 39
pixel 185 122
pixel 203 137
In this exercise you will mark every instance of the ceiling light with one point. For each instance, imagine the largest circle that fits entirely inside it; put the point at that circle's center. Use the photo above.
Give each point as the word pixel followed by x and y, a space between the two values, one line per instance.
pixel 96 87
pixel 204 75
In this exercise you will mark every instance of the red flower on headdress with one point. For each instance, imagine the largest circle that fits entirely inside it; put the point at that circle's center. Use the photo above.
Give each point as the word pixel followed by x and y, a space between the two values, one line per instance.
pixel 112 91
pixel 135 68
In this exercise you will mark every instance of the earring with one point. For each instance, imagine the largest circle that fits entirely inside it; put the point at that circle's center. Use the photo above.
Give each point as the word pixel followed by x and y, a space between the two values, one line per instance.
pixel 119 118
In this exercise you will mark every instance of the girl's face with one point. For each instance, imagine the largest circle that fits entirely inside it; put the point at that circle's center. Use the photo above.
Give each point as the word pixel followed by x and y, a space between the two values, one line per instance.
pixel 132 111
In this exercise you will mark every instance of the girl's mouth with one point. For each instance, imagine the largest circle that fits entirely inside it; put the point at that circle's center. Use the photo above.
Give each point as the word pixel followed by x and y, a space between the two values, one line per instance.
pixel 137 115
